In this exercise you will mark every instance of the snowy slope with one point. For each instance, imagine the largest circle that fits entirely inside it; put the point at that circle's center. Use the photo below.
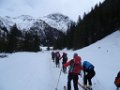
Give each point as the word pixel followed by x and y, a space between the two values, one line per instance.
pixel 105 56
pixel 36 71
pixel 1 23
pixel 57 20
pixel 25 22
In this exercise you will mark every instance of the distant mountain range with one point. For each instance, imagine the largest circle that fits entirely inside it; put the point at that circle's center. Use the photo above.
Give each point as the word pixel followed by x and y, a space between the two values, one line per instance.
pixel 50 26
pixel 25 22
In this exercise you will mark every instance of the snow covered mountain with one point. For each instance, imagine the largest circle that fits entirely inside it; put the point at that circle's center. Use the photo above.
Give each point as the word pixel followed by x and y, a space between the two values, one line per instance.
pixel 58 21
pixel 25 22
pixel 50 27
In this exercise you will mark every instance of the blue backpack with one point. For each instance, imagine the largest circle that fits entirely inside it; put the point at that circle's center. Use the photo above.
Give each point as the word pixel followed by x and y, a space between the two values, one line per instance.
pixel 87 65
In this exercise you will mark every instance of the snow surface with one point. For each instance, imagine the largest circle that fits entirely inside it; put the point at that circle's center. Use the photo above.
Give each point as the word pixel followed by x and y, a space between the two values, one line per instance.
pixel 36 71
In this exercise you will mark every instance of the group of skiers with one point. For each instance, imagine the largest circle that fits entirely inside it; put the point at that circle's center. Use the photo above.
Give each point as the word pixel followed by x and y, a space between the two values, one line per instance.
pixel 75 68
pixel 56 57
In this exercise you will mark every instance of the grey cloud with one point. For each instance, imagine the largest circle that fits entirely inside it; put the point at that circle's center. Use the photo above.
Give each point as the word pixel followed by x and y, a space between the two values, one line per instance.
pixel 37 8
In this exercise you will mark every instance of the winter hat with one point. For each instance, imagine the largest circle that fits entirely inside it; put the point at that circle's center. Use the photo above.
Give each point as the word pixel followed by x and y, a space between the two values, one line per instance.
pixel 75 55
pixel 77 58
pixel 64 53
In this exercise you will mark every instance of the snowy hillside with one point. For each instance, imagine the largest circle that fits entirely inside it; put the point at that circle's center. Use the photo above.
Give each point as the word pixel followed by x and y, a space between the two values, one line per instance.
pixel 43 26
pixel 25 22
pixel 58 21
pixel 36 71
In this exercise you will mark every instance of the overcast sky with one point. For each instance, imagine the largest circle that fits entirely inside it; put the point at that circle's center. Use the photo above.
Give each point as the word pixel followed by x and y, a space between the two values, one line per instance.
pixel 40 8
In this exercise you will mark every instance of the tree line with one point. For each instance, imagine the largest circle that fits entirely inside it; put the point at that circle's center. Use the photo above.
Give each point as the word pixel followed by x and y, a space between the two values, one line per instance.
pixel 16 40
pixel 101 21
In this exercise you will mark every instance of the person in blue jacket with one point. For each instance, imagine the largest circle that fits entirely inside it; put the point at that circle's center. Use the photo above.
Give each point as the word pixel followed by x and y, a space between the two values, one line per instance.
pixel 89 73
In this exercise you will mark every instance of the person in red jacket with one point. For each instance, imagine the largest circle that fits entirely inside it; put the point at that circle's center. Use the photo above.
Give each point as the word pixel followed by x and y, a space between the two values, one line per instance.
pixel 74 70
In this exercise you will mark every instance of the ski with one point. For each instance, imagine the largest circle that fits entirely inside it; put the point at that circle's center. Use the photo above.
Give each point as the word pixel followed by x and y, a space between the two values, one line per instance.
pixel 84 87
pixel 81 86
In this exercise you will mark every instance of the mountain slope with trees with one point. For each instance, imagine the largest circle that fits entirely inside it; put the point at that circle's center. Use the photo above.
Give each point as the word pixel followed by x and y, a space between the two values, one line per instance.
pixel 103 20
pixel 25 33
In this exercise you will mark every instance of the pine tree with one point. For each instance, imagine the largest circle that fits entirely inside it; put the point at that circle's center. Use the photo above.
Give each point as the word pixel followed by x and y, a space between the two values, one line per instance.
pixel 31 42
pixel 36 43
pixel 13 39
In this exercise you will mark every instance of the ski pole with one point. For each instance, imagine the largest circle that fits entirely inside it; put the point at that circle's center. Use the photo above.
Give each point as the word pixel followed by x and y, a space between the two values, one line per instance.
pixel 58 79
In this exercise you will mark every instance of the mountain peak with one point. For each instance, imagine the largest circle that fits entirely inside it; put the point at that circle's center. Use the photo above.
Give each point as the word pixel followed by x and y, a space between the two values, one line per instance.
pixel 57 16
pixel 25 22
pixel 58 20
pixel 25 17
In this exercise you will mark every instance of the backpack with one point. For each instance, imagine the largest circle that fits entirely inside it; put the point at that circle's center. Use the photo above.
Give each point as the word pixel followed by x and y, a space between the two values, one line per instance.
pixel 117 80
pixel 71 68
pixel 58 55
pixel 87 66
pixel 74 68
pixel 64 56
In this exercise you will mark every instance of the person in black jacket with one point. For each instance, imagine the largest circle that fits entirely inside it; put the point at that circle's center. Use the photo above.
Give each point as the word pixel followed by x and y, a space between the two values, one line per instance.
pixel 53 55
pixel 64 60
pixel 57 59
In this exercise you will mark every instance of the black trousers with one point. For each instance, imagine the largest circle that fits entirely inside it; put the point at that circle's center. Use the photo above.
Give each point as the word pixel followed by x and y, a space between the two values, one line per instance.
pixel 75 81
pixel 88 77
pixel 117 88
pixel 57 62
pixel 64 68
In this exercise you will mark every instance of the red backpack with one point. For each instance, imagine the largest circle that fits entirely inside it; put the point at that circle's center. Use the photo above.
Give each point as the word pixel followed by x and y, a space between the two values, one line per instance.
pixel 75 65
pixel 117 81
